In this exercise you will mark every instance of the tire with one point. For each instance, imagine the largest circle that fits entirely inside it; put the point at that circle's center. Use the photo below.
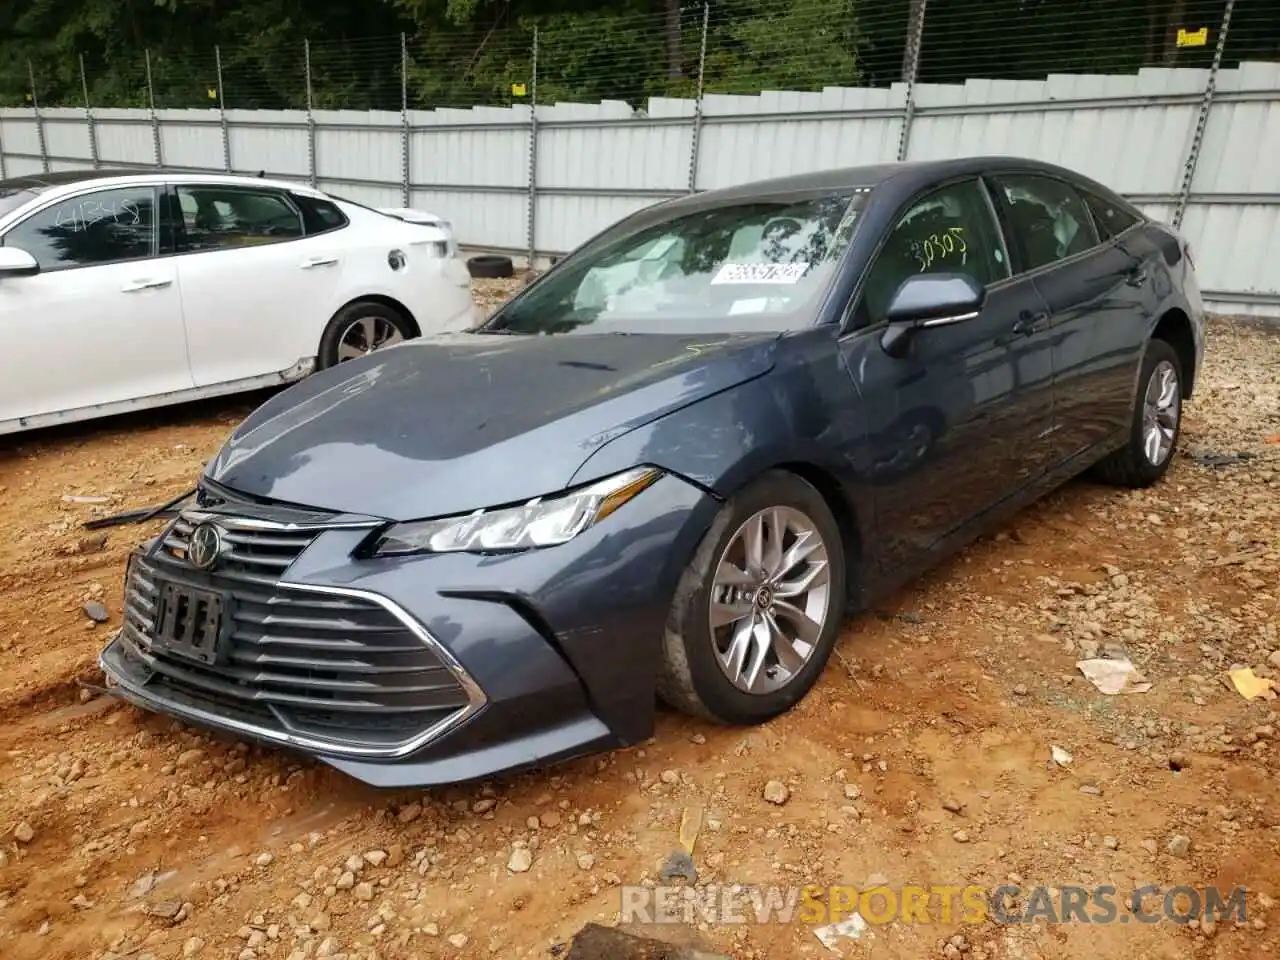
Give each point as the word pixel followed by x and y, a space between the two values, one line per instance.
pixel 691 678
pixel 491 266
pixel 1131 466
pixel 368 315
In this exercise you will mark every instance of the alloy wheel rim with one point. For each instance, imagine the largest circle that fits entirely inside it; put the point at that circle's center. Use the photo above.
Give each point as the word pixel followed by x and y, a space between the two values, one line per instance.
pixel 770 599
pixel 365 335
pixel 1161 407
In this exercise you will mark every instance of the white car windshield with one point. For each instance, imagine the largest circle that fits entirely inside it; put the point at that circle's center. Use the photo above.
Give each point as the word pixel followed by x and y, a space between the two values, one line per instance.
pixel 749 265
pixel 11 199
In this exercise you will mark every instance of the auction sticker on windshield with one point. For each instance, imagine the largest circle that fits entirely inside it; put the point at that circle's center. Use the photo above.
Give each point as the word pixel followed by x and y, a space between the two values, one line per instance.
pixel 760 273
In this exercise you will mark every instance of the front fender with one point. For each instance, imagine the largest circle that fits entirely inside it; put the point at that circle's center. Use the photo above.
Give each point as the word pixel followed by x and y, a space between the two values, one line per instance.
pixel 803 412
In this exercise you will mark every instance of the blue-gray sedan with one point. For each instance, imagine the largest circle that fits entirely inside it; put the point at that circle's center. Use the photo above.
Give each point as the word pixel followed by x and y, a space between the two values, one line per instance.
pixel 668 468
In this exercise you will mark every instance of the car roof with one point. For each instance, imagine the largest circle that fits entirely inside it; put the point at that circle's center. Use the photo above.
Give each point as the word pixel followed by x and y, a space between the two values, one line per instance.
pixel 66 180
pixel 908 176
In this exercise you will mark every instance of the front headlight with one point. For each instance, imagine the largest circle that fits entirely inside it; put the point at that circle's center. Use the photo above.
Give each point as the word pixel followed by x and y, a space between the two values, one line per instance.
pixel 542 522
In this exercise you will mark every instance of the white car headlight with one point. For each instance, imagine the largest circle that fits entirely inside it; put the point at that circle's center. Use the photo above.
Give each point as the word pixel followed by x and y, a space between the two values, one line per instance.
pixel 542 522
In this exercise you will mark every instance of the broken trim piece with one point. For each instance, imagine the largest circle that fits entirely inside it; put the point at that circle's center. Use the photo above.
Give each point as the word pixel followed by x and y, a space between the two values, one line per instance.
pixel 165 511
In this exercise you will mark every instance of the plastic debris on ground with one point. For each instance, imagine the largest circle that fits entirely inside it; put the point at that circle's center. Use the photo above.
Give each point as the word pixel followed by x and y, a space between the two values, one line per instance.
pixel 679 866
pixel 690 824
pixel 1114 676
pixel 1250 686
pixel 851 928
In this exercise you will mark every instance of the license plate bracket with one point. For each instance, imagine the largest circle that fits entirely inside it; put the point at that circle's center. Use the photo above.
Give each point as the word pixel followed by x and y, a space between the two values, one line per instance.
pixel 190 622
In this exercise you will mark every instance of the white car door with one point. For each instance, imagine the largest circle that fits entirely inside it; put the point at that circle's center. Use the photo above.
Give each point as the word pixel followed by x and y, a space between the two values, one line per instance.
pixel 256 291
pixel 101 322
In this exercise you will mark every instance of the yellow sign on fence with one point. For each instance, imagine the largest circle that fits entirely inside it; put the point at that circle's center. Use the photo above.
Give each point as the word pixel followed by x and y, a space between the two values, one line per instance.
pixel 1193 38
pixel 518 90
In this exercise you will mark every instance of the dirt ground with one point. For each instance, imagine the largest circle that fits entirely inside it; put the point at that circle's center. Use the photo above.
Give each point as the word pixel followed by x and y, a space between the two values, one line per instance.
pixel 924 756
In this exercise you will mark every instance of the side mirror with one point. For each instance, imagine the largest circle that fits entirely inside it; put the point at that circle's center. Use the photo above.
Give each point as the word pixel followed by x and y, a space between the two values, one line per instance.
pixel 929 300
pixel 17 263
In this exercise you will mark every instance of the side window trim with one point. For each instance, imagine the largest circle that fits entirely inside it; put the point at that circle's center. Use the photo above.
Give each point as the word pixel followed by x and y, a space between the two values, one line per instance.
pixel 174 206
pixel 171 217
pixel 297 199
pixel 284 196
pixel 1086 192
pixel 1100 230
pixel 157 240
pixel 850 308
pixel 1014 248
pixel 1001 233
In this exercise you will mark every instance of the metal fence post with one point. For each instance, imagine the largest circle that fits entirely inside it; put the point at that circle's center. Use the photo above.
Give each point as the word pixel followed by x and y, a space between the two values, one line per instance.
pixel 3 174
pixel 915 33
pixel 1202 120
pixel 88 116
pixel 222 111
pixel 696 140
pixel 155 118
pixel 35 105
pixel 406 193
pixel 532 220
pixel 311 118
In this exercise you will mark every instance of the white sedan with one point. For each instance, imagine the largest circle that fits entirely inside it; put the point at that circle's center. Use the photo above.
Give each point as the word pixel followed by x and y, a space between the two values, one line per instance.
pixel 137 290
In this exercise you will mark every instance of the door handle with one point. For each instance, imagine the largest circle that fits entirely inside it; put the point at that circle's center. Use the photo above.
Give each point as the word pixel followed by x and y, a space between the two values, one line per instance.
pixel 1030 323
pixel 317 262
pixel 136 285
pixel 1136 277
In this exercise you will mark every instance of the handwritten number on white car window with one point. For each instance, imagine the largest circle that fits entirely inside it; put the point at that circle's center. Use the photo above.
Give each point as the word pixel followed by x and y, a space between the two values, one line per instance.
pixel 85 214
pixel 108 226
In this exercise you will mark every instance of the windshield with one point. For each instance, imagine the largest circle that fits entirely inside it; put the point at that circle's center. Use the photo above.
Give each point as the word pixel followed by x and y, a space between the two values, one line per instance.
pixel 11 199
pixel 750 265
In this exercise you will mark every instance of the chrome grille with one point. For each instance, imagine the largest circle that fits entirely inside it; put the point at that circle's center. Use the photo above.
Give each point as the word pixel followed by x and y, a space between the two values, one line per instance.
pixel 335 669
pixel 254 557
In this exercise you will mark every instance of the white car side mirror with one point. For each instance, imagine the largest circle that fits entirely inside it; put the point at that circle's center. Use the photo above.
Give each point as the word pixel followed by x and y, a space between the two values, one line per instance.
pixel 17 263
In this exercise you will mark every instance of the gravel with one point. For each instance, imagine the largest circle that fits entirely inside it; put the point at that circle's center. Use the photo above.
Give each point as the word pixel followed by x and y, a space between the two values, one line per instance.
pixel 957 704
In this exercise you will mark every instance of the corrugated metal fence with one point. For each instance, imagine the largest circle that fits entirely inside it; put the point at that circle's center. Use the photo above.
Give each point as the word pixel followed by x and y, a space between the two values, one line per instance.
pixel 1195 147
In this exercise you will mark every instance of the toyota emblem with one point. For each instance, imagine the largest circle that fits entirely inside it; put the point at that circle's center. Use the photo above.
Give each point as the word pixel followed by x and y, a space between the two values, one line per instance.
pixel 205 546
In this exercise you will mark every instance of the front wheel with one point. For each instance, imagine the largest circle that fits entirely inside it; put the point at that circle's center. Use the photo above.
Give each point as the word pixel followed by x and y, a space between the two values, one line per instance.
pixel 759 608
pixel 358 329
pixel 1156 423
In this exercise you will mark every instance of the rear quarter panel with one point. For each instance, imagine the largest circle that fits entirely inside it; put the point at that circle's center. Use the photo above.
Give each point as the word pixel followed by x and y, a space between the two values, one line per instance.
pixel 435 290
pixel 1172 284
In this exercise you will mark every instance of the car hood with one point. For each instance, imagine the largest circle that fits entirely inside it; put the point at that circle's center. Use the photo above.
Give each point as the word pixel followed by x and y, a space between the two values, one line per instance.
pixel 455 422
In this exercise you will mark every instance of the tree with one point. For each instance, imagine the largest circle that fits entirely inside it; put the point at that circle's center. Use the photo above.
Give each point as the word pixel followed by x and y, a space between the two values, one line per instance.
pixel 470 52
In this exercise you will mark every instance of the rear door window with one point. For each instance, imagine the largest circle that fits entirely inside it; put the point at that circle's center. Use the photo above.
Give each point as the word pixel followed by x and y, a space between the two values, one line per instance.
pixel 223 218
pixel 1048 218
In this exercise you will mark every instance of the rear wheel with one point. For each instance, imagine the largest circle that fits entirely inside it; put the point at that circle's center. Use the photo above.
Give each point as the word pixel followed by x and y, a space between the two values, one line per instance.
pixel 1156 424
pixel 758 610
pixel 360 328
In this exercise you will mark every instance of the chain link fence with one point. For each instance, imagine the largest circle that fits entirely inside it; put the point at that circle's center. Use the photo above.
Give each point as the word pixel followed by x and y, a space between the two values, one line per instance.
pixel 681 73
pixel 729 46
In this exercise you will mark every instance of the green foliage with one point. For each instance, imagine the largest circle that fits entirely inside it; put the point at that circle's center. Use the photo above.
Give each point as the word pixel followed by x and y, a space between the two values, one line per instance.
pixel 784 45
pixel 470 52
